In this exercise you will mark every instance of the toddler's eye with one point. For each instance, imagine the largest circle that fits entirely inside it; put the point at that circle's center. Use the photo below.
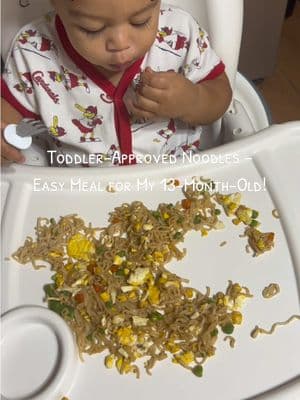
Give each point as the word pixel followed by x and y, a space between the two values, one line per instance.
pixel 90 32
pixel 141 24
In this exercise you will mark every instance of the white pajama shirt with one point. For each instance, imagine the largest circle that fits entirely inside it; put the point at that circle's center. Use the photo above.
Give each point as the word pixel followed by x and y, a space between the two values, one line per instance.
pixel 45 78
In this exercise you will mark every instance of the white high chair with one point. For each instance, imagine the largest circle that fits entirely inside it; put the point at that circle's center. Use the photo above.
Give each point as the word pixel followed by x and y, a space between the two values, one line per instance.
pixel 223 20
pixel 264 369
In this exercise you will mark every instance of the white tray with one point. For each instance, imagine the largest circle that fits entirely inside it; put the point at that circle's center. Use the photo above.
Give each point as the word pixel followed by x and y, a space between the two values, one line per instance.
pixel 268 366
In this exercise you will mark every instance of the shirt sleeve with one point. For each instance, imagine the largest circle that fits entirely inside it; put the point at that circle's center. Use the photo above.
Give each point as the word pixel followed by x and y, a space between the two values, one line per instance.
pixel 201 62
pixel 16 82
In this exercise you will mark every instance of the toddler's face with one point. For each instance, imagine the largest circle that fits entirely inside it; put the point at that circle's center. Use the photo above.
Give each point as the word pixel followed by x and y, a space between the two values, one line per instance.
pixel 110 34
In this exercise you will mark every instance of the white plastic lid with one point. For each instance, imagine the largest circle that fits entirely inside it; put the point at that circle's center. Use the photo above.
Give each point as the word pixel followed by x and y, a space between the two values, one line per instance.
pixel 38 355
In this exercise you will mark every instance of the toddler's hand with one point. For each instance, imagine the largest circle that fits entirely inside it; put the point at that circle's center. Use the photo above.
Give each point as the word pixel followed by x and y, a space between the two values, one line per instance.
pixel 162 95
pixel 9 153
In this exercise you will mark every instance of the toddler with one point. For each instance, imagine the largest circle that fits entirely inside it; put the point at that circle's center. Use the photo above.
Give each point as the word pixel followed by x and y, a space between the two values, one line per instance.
pixel 109 77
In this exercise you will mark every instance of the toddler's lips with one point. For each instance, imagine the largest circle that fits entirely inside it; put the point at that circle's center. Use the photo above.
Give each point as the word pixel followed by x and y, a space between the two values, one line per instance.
pixel 121 67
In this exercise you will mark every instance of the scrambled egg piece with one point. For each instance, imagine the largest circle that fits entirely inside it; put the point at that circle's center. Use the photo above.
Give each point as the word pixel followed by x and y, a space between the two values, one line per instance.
pixel 80 248
pixel 139 276
pixel 230 202
pixel 126 336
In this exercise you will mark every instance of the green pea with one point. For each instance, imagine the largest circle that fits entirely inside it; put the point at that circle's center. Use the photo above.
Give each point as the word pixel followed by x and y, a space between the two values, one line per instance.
pixel 197 219
pixel 211 301
pixel 156 316
pixel 120 272
pixel 109 304
pixel 254 223
pixel 228 328
pixel 50 290
pixel 156 214
pixel 61 309
pixel 52 221
pixel 198 371
pixel 100 250
pixel 214 332
pixel 180 220
pixel 255 214
pixel 217 211
pixel 177 236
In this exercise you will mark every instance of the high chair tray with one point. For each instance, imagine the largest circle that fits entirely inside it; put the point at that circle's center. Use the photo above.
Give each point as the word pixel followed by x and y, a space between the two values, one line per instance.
pixel 265 169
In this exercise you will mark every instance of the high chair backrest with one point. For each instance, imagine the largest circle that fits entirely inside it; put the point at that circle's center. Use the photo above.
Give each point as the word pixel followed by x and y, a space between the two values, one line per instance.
pixel 223 20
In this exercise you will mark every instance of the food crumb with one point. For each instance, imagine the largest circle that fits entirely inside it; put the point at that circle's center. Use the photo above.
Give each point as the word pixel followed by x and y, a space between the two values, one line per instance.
pixel 223 243
pixel 275 213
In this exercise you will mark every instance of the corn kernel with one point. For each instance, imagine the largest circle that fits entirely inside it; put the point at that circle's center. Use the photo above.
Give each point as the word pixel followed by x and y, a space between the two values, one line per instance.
pixel 162 280
pixel 172 283
pixel 69 267
pixel 260 244
pixel 59 280
pixel 189 293
pixel 158 256
pixel 118 260
pixel 55 254
pixel 98 271
pixel 232 207
pixel 166 215
pixel 105 296
pixel 154 295
pixel 122 298
pixel 204 232
pixel 172 347
pixel 137 227
pixel 220 302
pixel 236 221
pixel 132 295
pixel 236 318
pixel 119 363
pixel 186 358
pixel 109 361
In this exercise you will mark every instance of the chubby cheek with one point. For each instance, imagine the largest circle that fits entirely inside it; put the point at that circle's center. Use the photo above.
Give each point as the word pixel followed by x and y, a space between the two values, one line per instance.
pixel 88 49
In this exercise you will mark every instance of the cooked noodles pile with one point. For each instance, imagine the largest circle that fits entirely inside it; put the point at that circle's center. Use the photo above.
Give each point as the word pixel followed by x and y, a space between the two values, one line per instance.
pixel 112 287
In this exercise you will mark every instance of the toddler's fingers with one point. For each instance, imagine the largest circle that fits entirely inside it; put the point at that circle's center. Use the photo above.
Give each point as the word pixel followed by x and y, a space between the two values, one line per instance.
pixel 10 154
pixel 158 80
pixel 146 104
pixel 151 93
pixel 138 113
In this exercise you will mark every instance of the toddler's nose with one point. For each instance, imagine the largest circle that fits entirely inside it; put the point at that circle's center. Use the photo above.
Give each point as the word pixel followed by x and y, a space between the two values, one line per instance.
pixel 119 43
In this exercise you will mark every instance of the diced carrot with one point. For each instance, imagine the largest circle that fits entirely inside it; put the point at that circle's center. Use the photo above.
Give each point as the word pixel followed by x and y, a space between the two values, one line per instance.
pixel 186 203
pixel 79 297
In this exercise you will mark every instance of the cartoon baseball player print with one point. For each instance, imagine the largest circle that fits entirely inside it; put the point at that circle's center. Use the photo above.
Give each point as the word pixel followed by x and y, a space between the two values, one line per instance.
pixel 40 43
pixel 201 41
pixel 168 131
pixel 69 79
pixel 25 83
pixel 174 40
pixel 55 129
pixel 88 122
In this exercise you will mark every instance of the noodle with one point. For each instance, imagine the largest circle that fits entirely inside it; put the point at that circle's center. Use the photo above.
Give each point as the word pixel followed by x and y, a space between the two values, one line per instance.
pixel 112 287
pixel 256 331
pixel 271 290
pixel 275 213
pixel 231 340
